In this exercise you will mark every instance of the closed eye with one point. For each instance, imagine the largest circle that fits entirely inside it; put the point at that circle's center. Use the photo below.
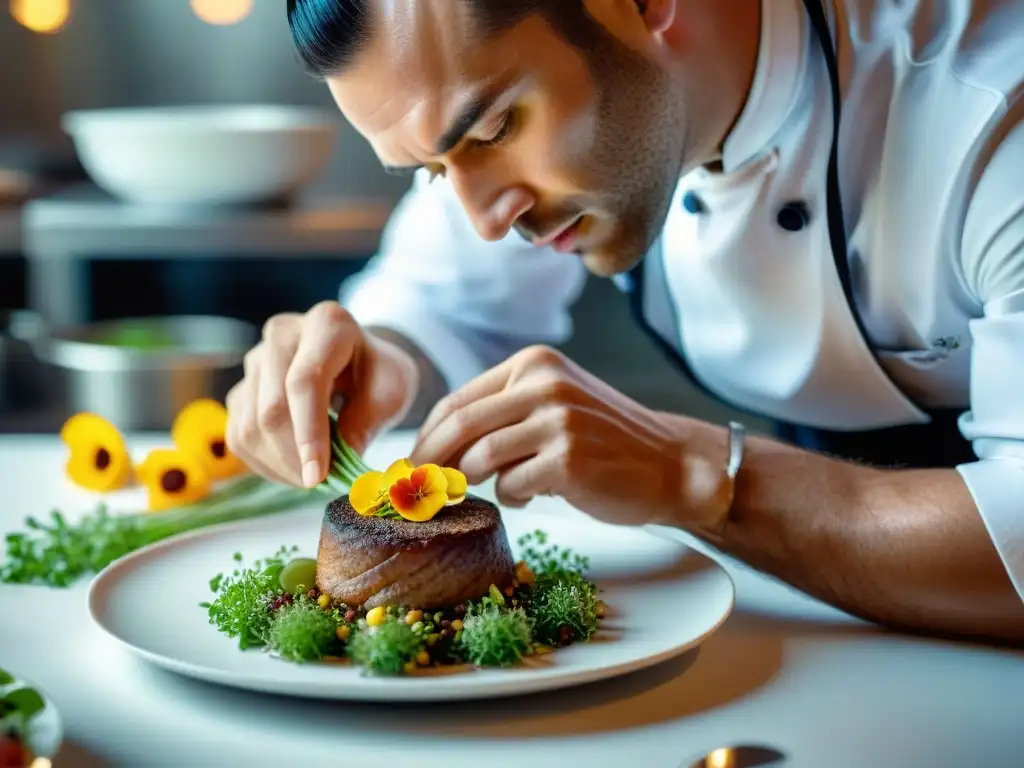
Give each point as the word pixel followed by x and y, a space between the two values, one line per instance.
pixel 503 133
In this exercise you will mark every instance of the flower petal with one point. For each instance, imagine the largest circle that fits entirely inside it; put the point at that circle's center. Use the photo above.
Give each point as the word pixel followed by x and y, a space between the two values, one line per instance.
pixel 457 485
pixel 99 459
pixel 398 470
pixel 173 478
pixel 201 428
pixel 367 493
pixel 431 479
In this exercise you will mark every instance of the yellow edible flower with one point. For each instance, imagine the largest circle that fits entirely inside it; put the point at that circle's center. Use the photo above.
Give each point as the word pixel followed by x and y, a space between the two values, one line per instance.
pixel 99 458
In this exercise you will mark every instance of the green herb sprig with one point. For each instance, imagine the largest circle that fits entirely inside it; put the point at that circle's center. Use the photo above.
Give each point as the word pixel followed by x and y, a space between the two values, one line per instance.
pixel 58 552
pixel 303 631
pixel 346 464
pixel 387 649
pixel 564 603
pixel 242 606
pixel 496 638
pixel 545 558
pixel 559 606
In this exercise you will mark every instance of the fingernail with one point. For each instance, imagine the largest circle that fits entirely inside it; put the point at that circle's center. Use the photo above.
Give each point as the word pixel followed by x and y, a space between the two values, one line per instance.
pixel 310 474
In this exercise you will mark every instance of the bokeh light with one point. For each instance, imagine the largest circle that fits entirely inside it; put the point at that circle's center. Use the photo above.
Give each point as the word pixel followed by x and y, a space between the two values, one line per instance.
pixel 43 16
pixel 222 12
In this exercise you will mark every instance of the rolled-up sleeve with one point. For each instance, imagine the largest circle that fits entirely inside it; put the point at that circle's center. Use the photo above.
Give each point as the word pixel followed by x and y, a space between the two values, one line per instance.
pixel 993 264
pixel 465 302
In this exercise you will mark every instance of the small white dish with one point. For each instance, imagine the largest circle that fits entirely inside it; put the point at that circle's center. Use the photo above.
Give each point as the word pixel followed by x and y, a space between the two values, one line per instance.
pixel 46 729
pixel 202 155
pixel 663 599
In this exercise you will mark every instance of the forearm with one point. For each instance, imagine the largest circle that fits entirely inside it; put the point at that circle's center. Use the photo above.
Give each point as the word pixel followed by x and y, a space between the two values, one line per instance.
pixel 902 548
pixel 432 385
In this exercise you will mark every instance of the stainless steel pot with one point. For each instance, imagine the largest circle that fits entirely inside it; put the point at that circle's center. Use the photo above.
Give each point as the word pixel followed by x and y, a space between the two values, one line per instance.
pixel 116 370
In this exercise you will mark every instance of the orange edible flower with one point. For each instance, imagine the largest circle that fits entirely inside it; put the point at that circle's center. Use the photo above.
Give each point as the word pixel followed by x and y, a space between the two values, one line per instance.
pixel 99 459
pixel 173 478
pixel 415 493
pixel 421 495
pixel 201 429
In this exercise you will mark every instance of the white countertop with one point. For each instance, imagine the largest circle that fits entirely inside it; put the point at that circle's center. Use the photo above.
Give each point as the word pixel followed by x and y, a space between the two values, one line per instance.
pixel 786 671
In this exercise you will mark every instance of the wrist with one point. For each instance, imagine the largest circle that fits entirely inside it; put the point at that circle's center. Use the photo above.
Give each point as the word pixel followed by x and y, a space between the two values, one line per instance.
pixel 706 464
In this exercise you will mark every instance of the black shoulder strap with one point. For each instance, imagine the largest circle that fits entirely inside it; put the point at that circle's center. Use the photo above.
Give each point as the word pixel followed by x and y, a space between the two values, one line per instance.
pixel 837 229
pixel 834 201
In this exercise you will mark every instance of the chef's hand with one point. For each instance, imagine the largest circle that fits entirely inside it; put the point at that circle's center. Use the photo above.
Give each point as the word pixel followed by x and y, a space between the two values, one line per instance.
pixel 277 414
pixel 545 426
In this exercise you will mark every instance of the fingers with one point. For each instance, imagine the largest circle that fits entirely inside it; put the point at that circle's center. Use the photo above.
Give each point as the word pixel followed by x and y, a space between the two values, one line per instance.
pixel 243 432
pixel 478 418
pixel 503 448
pixel 536 476
pixel 325 349
pixel 273 413
pixel 277 415
pixel 490 382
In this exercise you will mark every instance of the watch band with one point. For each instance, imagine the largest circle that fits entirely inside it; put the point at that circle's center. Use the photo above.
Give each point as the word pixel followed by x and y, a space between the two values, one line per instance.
pixel 737 433
pixel 737 437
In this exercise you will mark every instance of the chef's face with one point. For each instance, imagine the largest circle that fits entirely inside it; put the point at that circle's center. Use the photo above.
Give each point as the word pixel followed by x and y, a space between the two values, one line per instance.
pixel 571 136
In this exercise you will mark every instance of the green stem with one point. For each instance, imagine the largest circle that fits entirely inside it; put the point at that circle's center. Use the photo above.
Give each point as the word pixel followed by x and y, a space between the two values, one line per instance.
pixel 346 464
pixel 281 499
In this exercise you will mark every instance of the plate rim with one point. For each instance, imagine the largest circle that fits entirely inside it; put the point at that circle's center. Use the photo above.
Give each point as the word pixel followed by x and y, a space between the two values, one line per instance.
pixel 386 692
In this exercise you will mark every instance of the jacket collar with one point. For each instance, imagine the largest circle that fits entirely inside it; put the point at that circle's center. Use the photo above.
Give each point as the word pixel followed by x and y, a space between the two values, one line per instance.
pixel 778 78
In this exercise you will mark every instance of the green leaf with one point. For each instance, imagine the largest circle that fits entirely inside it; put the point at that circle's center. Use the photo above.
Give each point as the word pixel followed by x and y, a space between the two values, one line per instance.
pixel 5 678
pixel 26 700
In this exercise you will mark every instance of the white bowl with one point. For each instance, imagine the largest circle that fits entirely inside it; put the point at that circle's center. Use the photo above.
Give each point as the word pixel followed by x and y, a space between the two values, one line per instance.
pixel 203 155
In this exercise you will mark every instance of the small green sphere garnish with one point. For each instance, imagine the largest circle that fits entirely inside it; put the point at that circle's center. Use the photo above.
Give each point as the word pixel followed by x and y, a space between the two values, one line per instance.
pixel 303 631
pixel 299 575
pixel 387 649
pixel 495 638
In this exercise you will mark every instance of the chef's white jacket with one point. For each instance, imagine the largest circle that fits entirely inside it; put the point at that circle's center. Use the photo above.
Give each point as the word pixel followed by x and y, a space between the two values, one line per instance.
pixel 931 168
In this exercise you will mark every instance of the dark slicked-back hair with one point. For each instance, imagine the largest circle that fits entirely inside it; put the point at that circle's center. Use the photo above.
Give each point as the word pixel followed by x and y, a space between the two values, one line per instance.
pixel 329 34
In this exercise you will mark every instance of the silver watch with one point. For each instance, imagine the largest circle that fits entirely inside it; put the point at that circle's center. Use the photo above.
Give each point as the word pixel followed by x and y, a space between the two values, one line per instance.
pixel 737 433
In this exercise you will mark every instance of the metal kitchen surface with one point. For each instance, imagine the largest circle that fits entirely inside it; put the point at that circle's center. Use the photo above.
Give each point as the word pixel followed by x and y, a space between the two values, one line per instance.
pixel 63 231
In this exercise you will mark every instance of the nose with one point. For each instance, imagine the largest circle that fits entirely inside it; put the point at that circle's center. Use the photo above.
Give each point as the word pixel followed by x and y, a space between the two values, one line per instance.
pixel 492 210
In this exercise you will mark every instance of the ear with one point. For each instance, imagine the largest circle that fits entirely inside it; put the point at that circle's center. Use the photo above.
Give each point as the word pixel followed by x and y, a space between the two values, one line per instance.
pixel 658 15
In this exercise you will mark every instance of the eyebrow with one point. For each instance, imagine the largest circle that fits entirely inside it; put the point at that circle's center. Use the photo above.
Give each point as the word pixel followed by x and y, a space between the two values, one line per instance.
pixel 471 114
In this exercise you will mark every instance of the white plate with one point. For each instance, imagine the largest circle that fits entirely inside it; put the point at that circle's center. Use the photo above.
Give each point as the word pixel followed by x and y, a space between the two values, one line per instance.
pixel 45 730
pixel 663 598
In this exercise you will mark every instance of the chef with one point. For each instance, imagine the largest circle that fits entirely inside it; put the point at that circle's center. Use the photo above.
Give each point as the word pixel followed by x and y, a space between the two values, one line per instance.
pixel 815 208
